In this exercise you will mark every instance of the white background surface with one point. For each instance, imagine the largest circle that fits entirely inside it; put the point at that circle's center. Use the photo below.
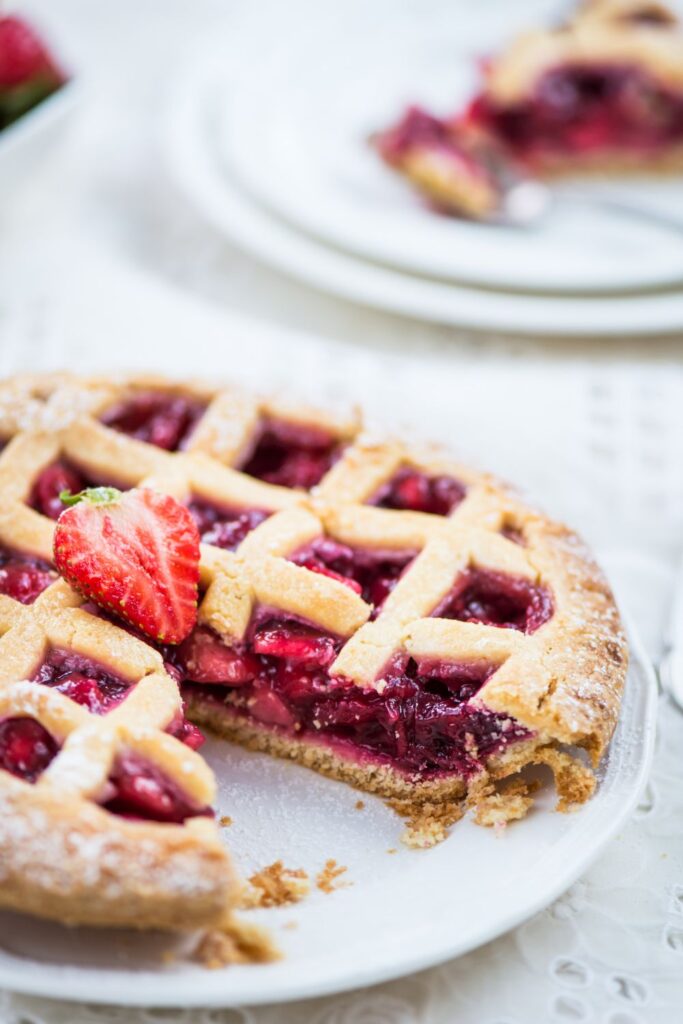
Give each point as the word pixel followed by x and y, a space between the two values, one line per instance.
pixel 594 430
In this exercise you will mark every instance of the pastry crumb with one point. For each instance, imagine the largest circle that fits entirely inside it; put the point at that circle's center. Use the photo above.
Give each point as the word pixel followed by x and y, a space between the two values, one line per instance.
pixel 236 943
pixel 326 880
pixel 574 782
pixel 225 820
pixel 428 823
pixel 392 849
pixel 360 804
pixel 498 809
pixel 290 926
pixel 276 886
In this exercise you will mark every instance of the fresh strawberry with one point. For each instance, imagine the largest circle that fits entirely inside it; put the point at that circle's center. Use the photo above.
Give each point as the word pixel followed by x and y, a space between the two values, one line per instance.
pixel 23 55
pixel 28 73
pixel 136 554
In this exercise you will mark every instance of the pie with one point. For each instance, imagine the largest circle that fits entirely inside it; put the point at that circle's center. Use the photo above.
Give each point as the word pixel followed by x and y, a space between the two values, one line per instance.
pixel 602 93
pixel 449 166
pixel 380 614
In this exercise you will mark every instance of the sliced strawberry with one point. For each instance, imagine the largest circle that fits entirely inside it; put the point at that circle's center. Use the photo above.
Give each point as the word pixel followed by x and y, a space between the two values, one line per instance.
pixel 206 659
pixel 136 554
pixel 267 707
pixel 295 643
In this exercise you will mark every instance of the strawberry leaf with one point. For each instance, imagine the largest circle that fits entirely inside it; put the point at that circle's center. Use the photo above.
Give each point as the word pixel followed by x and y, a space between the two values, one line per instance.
pixel 93 495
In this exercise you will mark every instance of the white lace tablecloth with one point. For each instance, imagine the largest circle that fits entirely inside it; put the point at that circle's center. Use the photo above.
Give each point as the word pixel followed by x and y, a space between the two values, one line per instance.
pixel 102 265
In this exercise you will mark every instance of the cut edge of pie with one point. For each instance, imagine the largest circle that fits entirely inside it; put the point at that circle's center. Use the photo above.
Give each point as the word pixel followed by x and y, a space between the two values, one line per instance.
pixel 466 635
pixel 601 94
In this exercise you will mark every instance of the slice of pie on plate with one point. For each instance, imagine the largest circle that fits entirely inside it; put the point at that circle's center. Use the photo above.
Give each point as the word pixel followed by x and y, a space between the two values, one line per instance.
pixel 602 93
pixel 449 166
pixel 380 614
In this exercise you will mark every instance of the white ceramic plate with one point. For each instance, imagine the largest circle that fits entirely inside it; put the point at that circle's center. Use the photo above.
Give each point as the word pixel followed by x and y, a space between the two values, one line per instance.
pixel 296 134
pixel 191 151
pixel 402 912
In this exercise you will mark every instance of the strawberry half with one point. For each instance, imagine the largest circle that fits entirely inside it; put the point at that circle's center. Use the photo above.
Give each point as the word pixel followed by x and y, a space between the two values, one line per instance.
pixel 134 553
pixel 28 72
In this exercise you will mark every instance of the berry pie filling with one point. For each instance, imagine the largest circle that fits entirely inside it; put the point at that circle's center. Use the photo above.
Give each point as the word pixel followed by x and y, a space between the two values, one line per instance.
pixel 113 688
pixel 496 599
pixel 164 420
pixel 83 680
pixel 578 109
pixel 371 573
pixel 26 748
pixel 421 718
pixel 223 527
pixel 414 491
pixel 292 454
pixel 137 789
pixel 58 477
pixel 23 577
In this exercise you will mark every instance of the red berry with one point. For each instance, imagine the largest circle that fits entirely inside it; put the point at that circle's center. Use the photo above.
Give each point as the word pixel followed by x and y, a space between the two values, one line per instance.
pixel 295 643
pixel 24 582
pixel 50 484
pixel 206 659
pixel 23 55
pixel 135 554
pixel 26 747
pixel 141 790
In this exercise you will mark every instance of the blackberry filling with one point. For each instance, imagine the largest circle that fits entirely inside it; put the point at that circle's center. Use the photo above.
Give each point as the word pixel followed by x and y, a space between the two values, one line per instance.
pixel 414 491
pixel 138 789
pixel 164 420
pixel 23 577
pixel 496 599
pixel 421 718
pixel 225 528
pixel 83 680
pixel 292 454
pixel 372 574
pixel 26 748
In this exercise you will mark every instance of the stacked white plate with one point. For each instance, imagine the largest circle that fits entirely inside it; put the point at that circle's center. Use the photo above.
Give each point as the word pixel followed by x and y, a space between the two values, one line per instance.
pixel 268 134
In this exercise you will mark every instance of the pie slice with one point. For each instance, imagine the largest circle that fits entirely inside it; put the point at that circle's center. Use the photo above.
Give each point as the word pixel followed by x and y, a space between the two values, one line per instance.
pixel 379 614
pixel 602 93
pixel 448 165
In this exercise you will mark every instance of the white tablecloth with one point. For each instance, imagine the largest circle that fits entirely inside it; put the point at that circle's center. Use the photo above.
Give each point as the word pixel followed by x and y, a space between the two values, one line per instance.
pixel 102 264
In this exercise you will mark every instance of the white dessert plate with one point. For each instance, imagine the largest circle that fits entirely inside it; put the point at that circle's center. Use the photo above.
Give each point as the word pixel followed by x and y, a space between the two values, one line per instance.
pixel 402 910
pixel 296 135
pixel 191 132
